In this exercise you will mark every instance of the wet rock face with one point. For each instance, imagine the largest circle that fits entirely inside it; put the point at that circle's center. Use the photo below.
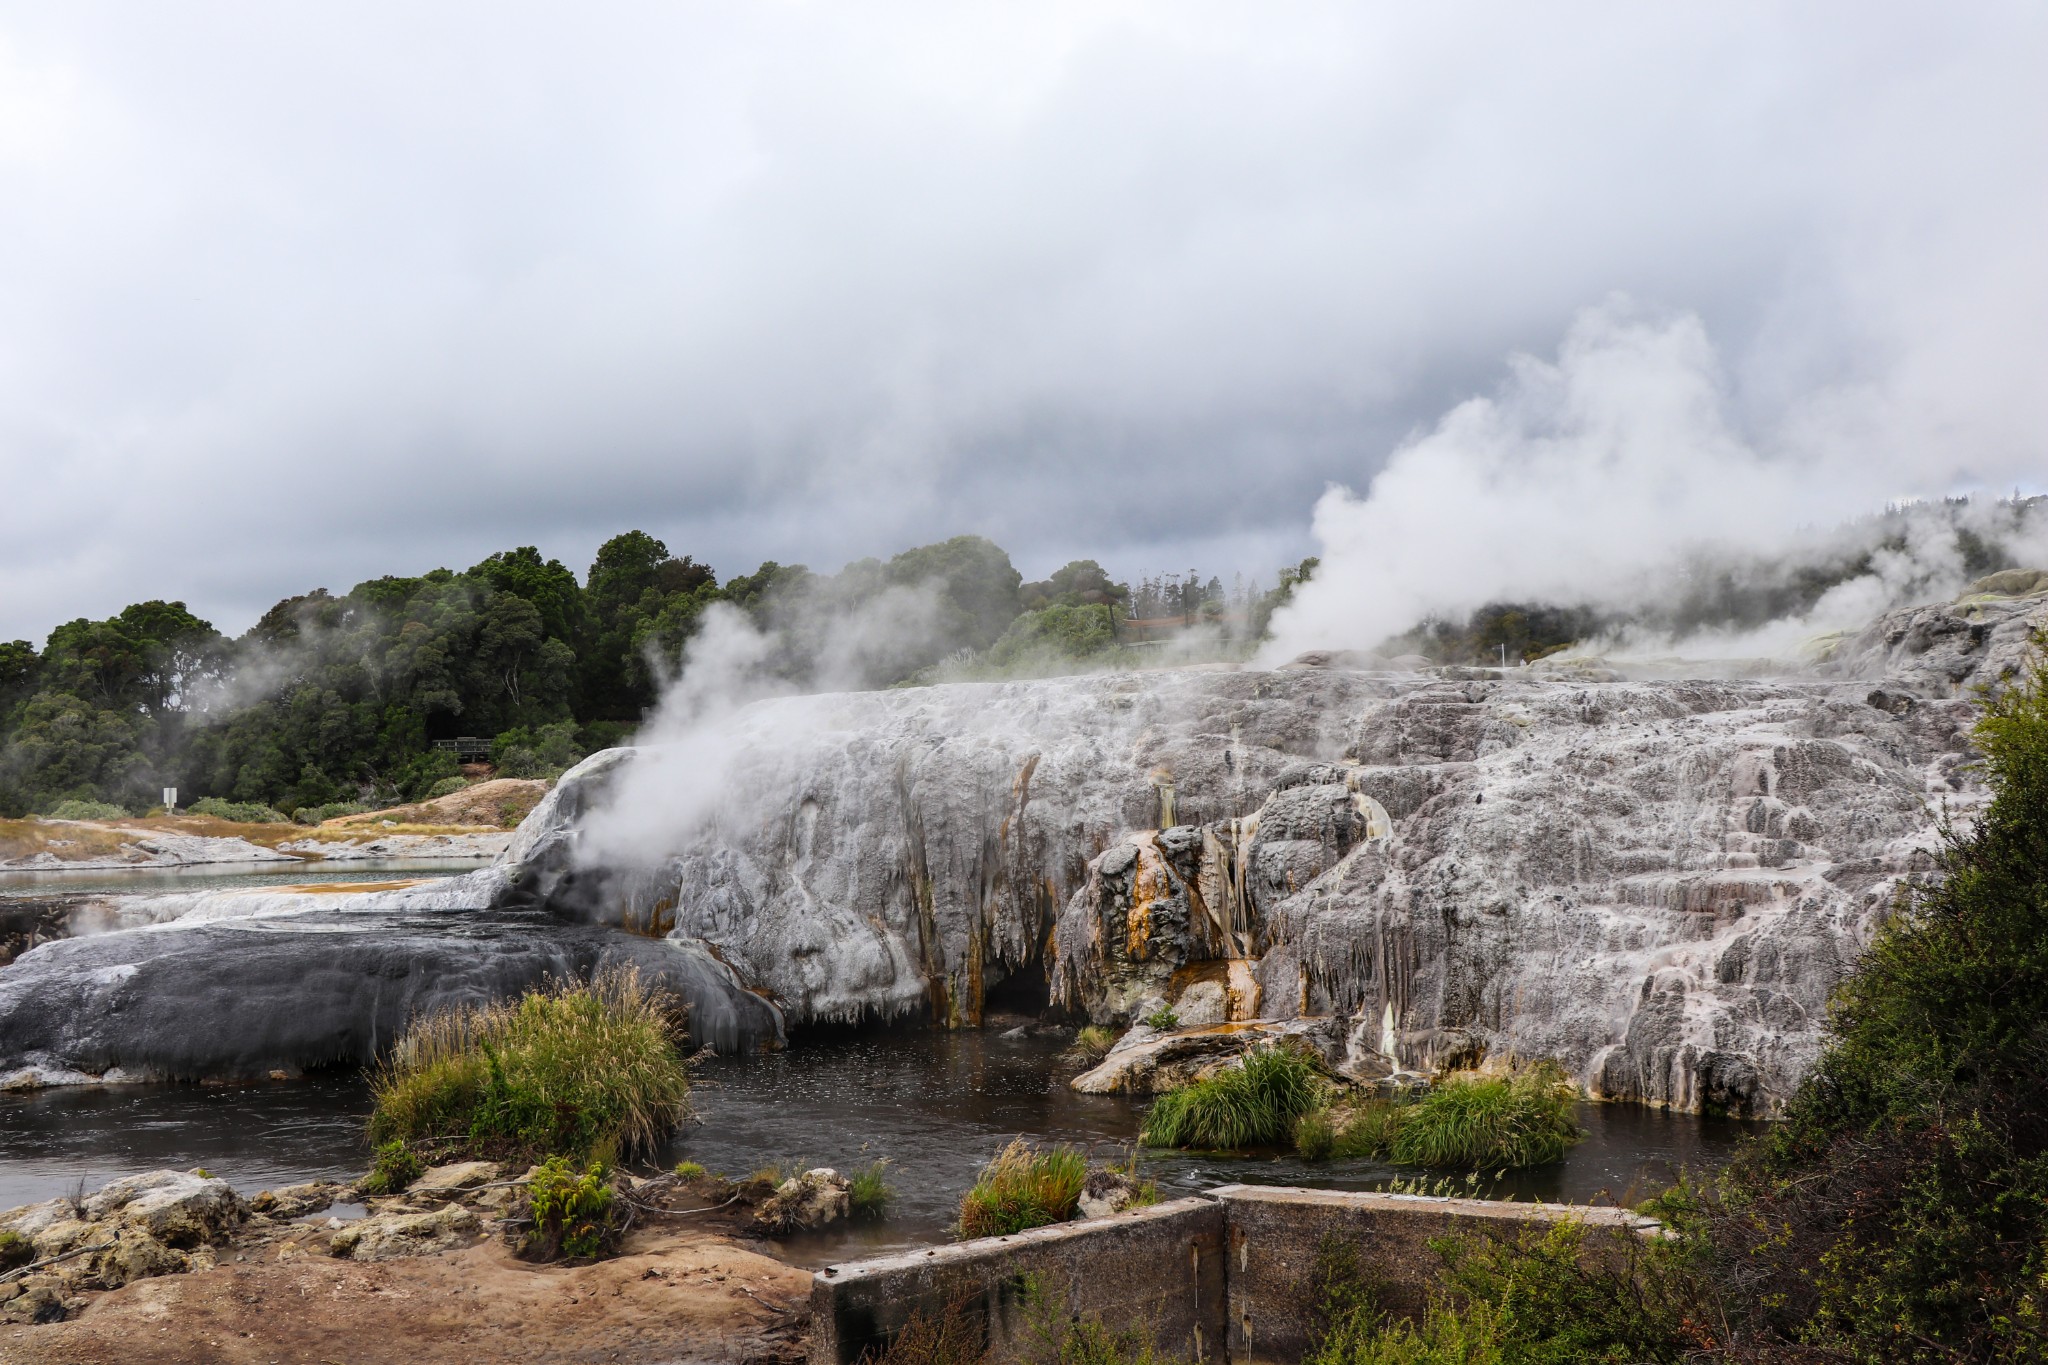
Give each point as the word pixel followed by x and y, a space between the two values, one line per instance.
pixel 1656 883
pixel 248 997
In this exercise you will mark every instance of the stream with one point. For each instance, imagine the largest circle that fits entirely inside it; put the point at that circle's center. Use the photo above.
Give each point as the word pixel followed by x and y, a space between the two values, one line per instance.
pixel 935 1105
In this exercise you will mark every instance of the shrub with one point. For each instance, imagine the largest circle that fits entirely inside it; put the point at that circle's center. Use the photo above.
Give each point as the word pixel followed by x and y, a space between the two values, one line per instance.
pixel 447 786
pixel 1253 1104
pixel 690 1170
pixel 1093 1043
pixel 392 1170
pixel 1164 1020
pixel 1023 1187
pixel 313 815
pixel 241 812
pixel 566 1070
pixel 1486 1122
pixel 575 1215
pixel 870 1191
pixel 15 1250
pixel 87 810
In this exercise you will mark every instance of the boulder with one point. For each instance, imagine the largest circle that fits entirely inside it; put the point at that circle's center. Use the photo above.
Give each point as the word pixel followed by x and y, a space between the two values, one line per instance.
pixel 135 1255
pixel 389 1236
pixel 455 1177
pixel 296 1201
pixel 177 1208
pixel 806 1202
pixel 1106 1192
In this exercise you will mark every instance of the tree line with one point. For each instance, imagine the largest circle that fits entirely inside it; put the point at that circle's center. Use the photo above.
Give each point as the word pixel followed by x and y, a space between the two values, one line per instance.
pixel 337 700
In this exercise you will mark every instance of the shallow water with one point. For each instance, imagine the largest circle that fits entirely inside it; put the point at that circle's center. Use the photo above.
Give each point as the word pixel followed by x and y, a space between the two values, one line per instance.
pixel 935 1105
pixel 223 876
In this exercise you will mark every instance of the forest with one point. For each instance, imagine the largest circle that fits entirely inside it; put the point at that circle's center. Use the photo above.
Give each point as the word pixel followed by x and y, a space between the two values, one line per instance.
pixel 334 702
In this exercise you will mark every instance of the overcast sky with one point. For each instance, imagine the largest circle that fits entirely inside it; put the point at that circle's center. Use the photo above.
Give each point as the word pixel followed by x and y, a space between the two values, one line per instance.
pixel 295 295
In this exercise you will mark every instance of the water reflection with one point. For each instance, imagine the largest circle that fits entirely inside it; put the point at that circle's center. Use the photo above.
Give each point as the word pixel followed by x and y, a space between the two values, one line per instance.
pixel 936 1105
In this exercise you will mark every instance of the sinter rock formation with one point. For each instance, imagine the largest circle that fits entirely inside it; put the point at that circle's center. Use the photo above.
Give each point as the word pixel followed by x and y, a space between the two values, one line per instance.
pixel 1655 882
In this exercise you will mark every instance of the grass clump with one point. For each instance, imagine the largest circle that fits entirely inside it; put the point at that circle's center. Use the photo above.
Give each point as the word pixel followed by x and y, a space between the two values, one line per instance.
pixel 869 1192
pixel 1494 1121
pixel 1093 1043
pixel 689 1170
pixel 1165 1020
pixel 574 1213
pixel 570 1070
pixel 1254 1104
pixel 1024 1186
pixel 392 1169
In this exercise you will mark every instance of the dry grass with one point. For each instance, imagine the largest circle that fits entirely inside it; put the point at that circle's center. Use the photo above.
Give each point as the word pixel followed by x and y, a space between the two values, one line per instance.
pixel 574 1070
pixel 498 804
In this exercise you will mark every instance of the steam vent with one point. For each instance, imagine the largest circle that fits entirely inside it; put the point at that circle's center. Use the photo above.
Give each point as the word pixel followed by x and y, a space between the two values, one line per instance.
pixel 1654 882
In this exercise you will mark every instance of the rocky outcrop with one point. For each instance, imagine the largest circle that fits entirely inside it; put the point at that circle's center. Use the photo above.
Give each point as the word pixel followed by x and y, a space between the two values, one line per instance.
pixel 249 997
pixel 389 1236
pixel 804 1203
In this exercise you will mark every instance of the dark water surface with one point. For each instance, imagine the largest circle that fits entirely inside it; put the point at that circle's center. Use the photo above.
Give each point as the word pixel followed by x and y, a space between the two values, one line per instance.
pixel 936 1105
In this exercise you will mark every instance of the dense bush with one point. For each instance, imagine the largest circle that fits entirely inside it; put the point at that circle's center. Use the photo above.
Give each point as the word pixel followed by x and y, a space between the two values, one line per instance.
pixel 393 1169
pixel 241 812
pixel 1253 1104
pixel 313 815
pixel 447 786
pixel 87 810
pixel 569 1070
pixel 1023 1187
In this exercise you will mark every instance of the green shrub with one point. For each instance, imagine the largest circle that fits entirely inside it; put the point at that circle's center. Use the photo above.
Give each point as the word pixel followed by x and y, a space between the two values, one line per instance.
pixel 870 1191
pixel 1254 1104
pixel 568 1070
pixel 87 810
pixel 447 786
pixel 1486 1122
pixel 241 812
pixel 1165 1020
pixel 1023 1187
pixel 392 1170
pixel 689 1170
pixel 15 1250
pixel 313 815
pixel 574 1214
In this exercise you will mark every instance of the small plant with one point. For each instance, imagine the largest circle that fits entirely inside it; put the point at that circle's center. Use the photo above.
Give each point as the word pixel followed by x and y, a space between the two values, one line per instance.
pixel 1093 1043
pixel 575 1070
pixel 1165 1020
pixel 574 1214
pixel 689 1170
pixel 393 1170
pixel 15 1250
pixel 1253 1104
pixel 870 1192
pixel 1023 1187
pixel 1315 1135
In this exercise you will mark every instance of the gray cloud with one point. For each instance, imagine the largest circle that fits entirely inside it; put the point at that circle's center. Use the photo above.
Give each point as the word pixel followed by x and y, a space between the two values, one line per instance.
pixel 297 296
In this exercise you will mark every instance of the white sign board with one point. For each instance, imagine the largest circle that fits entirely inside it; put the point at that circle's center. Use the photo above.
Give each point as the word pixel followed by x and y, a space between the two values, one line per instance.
pixel 170 800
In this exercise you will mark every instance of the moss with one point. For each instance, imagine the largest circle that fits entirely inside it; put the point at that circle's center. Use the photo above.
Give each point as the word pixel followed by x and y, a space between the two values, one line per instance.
pixel 15 1250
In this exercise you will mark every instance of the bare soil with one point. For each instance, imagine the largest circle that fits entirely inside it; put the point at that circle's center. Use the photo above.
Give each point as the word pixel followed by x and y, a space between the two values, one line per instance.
pixel 673 1296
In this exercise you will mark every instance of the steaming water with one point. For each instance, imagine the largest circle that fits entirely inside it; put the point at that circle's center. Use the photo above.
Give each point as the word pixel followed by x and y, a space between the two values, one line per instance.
pixel 936 1105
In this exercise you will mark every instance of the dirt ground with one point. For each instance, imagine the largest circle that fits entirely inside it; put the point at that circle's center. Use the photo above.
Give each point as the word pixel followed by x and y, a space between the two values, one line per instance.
pixel 675 1297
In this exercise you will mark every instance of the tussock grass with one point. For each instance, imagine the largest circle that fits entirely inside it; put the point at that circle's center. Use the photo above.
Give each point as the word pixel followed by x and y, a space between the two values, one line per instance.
pixel 1254 1104
pixel 1093 1043
pixel 1024 1186
pixel 571 1070
pixel 1499 1121
pixel 869 1191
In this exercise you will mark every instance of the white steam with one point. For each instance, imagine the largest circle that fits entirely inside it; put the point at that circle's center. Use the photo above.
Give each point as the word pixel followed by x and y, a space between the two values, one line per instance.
pixel 1599 478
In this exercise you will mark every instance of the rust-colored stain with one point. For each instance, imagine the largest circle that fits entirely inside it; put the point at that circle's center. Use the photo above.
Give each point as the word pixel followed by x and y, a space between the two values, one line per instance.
pixel 1151 884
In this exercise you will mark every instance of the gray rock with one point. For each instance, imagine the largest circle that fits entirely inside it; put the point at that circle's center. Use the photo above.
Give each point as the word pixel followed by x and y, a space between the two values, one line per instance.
pixel 389 1236
pixel 177 1208
pixel 805 1203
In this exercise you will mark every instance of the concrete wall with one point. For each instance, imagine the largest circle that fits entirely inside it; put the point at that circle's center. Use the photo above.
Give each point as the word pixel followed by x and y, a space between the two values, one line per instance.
pixel 1158 1269
pixel 1231 1276
pixel 1276 1238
